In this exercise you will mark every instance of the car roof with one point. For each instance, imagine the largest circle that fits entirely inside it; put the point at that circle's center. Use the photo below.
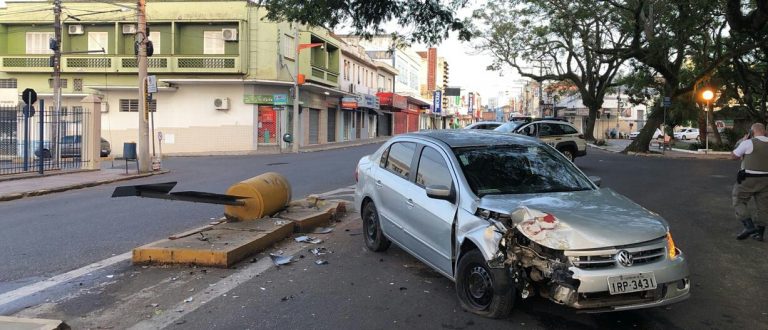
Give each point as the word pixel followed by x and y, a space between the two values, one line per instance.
pixel 469 138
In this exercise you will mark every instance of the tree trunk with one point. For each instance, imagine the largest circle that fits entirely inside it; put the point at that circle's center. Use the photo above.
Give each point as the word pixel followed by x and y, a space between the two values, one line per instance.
pixel 715 132
pixel 643 140
pixel 590 129
pixel 702 123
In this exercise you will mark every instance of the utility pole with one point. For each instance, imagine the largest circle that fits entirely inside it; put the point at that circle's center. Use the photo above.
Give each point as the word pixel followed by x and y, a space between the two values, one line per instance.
pixel 143 152
pixel 296 117
pixel 56 77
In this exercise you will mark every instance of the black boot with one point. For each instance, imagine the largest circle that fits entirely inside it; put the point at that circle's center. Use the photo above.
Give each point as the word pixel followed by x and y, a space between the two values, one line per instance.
pixel 749 229
pixel 758 235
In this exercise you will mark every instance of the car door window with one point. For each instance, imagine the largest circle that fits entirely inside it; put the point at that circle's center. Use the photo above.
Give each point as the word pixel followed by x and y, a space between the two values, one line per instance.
pixel 432 169
pixel 566 129
pixel 546 130
pixel 399 157
pixel 529 130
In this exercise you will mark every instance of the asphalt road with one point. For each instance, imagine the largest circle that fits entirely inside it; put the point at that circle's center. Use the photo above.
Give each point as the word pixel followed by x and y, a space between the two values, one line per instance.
pixel 48 235
pixel 361 289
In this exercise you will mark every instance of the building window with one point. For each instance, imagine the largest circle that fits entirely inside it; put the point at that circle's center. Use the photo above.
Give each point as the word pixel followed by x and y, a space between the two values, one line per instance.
pixel 154 36
pixel 38 42
pixel 213 42
pixel 98 41
pixel 63 109
pixel 77 85
pixel 289 46
pixel 63 83
pixel 132 105
pixel 8 83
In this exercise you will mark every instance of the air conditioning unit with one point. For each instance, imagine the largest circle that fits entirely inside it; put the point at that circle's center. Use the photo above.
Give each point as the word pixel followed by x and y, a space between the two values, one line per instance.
pixel 229 34
pixel 221 103
pixel 75 29
pixel 129 29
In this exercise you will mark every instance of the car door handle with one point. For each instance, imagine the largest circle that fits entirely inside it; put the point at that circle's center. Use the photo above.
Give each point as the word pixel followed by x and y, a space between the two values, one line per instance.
pixel 378 183
pixel 409 202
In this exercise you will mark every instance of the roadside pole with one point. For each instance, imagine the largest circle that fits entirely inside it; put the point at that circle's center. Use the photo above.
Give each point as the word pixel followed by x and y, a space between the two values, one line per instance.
pixel 665 104
pixel 143 141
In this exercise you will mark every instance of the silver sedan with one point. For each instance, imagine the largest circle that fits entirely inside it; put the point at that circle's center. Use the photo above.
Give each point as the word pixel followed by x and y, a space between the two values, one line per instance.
pixel 508 216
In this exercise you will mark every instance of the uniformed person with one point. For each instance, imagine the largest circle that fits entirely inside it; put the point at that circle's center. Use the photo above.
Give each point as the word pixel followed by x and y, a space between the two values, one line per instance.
pixel 752 181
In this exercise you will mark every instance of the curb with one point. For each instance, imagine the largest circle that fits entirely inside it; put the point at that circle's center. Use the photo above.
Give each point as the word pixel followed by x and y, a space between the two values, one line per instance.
pixel 40 192
pixel 715 155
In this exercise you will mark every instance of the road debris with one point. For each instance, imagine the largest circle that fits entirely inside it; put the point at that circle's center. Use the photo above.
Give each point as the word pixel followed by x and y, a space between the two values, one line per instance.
pixel 319 251
pixel 202 237
pixel 188 300
pixel 321 262
pixel 308 239
pixel 280 260
pixel 322 230
pixel 110 276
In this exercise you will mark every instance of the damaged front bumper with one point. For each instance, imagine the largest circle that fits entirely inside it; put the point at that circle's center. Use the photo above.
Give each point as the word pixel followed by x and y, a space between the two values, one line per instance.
pixel 592 294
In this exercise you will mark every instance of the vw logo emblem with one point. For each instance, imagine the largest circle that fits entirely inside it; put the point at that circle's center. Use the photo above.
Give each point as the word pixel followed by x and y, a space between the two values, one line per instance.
pixel 624 258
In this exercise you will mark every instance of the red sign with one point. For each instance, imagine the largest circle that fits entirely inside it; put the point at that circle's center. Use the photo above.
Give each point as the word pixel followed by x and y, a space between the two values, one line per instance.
pixel 393 101
pixel 349 105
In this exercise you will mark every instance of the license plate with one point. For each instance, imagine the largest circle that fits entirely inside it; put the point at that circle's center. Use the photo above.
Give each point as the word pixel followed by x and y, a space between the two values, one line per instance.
pixel 631 283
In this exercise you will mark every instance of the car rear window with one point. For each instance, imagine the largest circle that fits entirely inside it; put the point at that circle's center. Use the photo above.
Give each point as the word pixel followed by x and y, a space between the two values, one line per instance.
pixel 515 169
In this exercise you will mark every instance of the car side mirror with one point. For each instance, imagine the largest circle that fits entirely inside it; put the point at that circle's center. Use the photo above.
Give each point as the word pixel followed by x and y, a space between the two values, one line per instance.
pixel 596 180
pixel 440 192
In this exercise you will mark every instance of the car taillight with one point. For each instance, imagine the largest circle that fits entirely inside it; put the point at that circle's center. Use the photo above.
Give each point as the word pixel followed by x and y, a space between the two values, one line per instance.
pixel 671 249
pixel 581 136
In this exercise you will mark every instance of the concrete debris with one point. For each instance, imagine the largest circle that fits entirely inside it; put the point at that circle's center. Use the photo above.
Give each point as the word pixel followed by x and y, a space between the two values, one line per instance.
pixel 321 262
pixel 280 260
pixel 308 239
pixel 322 230
pixel 155 305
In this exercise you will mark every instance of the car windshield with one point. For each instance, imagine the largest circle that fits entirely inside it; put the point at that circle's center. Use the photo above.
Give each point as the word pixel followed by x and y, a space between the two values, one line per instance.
pixel 508 127
pixel 516 169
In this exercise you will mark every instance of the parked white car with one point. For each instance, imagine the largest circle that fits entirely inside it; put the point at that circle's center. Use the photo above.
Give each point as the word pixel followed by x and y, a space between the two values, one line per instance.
pixel 634 134
pixel 687 133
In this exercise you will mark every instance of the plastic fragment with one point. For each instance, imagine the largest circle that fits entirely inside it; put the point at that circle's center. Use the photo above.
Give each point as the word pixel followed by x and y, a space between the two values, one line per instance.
pixel 321 262
pixel 280 260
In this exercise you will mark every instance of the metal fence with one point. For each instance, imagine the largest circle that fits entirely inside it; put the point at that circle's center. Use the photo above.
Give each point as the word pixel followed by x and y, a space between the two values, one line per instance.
pixel 43 141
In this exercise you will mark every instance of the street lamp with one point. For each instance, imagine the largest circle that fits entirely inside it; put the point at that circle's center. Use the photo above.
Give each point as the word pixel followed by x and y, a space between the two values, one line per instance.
pixel 707 95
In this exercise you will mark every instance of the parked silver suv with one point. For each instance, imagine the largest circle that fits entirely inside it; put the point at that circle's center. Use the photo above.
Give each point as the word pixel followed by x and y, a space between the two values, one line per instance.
pixel 505 216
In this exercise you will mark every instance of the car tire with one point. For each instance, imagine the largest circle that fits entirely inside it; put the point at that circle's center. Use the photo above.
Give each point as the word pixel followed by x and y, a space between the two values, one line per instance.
pixel 685 138
pixel 374 237
pixel 568 153
pixel 481 290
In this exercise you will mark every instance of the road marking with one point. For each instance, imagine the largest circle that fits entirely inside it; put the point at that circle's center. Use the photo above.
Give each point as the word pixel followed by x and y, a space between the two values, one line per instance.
pixel 37 287
pixel 218 289
pixel 347 189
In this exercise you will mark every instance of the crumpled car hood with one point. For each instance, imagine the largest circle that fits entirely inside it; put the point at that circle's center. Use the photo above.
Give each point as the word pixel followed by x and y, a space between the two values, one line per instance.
pixel 579 220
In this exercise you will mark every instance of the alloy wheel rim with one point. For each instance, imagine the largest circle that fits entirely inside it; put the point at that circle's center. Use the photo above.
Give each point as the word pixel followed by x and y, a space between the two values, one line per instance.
pixel 371 228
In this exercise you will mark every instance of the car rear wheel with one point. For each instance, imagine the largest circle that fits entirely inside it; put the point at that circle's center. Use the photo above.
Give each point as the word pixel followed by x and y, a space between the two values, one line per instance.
pixel 374 238
pixel 482 290
pixel 568 153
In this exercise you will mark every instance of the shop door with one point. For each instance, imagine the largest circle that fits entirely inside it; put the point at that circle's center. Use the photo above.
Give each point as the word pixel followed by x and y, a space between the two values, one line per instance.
pixel 384 127
pixel 267 125
pixel 358 123
pixel 331 125
pixel 314 126
pixel 413 122
pixel 401 123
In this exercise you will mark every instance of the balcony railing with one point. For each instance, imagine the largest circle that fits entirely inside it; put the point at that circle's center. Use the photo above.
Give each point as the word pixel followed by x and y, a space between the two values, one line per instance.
pixel 156 64
pixel 324 76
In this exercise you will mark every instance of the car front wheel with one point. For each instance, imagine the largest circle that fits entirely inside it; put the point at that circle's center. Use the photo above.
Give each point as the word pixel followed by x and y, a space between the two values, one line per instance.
pixel 482 290
pixel 374 238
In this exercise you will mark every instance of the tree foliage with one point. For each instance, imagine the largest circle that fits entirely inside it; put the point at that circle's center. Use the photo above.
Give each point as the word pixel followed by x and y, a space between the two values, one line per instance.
pixel 570 36
pixel 430 20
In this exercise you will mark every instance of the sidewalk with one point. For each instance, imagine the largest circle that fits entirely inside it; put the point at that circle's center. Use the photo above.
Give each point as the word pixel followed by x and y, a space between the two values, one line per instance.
pixel 618 145
pixel 28 185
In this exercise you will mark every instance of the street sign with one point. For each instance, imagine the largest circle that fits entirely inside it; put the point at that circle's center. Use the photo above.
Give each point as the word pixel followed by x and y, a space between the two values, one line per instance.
pixel 667 101
pixel 28 110
pixel 29 96
pixel 280 99
pixel 151 84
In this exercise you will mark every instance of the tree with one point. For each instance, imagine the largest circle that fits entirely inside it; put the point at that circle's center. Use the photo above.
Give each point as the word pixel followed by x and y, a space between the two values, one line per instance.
pixel 431 20
pixel 569 34
pixel 681 42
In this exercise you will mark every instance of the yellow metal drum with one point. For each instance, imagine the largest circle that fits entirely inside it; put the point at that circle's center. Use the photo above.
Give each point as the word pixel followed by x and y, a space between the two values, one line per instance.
pixel 266 195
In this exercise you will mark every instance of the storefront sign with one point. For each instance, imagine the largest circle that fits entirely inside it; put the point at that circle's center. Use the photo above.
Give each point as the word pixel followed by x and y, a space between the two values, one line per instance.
pixel 272 99
pixel 437 101
pixel 349 103
pixel 392 100
pixel 368 101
